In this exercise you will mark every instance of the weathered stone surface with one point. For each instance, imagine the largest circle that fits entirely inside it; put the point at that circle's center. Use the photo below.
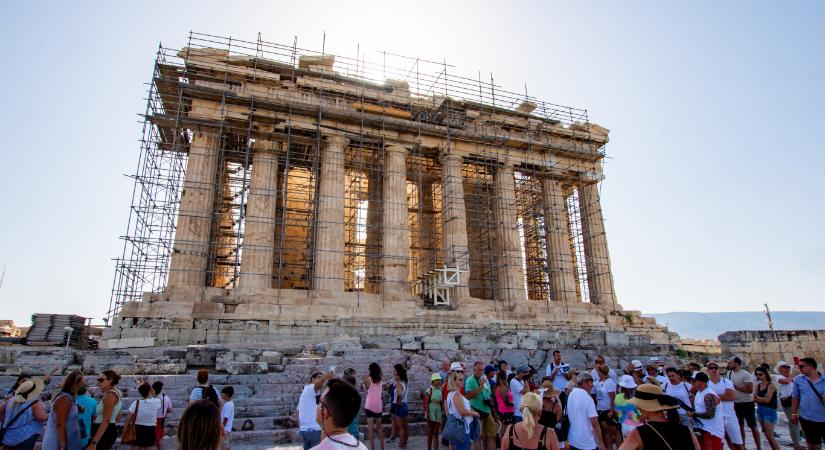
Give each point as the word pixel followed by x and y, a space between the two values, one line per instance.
pixel 272 357
pixel 111 344
pixel 202 355
pixel 160 367
pixel 243 368
pixel 439 342
pixel 119 361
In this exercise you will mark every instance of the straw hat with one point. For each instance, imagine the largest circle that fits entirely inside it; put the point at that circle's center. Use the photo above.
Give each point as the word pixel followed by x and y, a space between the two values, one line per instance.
pixel 435 376
pixel 647 398
pixel 28 390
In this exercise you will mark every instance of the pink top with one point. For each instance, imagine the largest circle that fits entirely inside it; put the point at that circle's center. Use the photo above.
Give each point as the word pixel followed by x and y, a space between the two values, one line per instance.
pixel 373 402
pixel 502 407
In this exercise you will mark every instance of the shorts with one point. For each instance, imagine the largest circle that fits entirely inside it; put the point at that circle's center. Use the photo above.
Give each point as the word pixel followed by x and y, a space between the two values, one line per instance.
pixel 745 412
pixel 311 438
pixel 708 441
pixel 488 426
pixel 765 414
pixel 814 431
pixel 372 415
pixel 160 429
pixel 109 437
pixel 733 430
pixel 402 410
pixel 144 435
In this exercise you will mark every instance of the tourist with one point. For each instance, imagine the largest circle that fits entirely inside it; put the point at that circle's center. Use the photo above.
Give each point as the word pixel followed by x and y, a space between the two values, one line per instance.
pixel 349 377
pixel 627 414
pixel 503 400
pixel 145 410
pixel 337 407
pixel 23 377
pixel 227 415
pixel 164 410
pixel 491 372
pixel 784 384
pixel 477 390
pixel 600 361
pixel 661 423
pixel 585 432
pixel 686 376
pixel 503 366
pixel 706 411
pixel 104 429
pixel 723 388
pixel 518 387
pixel 85 410
pixel 63 428
pixel 433 410
pixel 694 368
pixel 373 407
pixel 808 406
pixel 559 372
pixel 399 409
pixel 743 404
pixel 200 427
pixel 459 407
pixel 766 404
pixel 529 434
pixel 636 370
pixel 205 391
pixel 677 388
pixel 23 416
pixel 652 375
pixel 308 427
pixel 551 410
pixel 445 369
pixel 605 389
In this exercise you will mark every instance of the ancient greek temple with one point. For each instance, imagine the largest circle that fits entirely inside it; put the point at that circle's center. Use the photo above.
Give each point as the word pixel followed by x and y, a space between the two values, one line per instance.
pixel 282 188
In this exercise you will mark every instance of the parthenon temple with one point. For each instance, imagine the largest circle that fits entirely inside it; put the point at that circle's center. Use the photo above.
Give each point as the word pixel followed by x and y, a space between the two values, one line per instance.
pixel 282 191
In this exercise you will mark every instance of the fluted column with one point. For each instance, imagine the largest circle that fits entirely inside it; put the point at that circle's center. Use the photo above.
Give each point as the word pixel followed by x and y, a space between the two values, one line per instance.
pixel 454 216
pixel 596 255
pixel 396 233
pixel 329 234
pixel 191 248
pixel 510 272
pixel 372 257
pixel 560 260
pixel 259 225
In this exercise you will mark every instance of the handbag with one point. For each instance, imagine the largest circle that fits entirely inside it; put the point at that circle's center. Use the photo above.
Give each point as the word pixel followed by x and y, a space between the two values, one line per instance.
pixel 128 435
pixel 14 419
pixel 563 426
pixel 454 427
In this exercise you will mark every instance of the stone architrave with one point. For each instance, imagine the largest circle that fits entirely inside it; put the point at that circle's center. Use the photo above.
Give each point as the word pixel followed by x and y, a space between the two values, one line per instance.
pixel 597 258
pixel 560 260
pixel 395 259
pixel 191 248
pixel 259 226
pixel 510 273
pixel 454 216
pixel 329 234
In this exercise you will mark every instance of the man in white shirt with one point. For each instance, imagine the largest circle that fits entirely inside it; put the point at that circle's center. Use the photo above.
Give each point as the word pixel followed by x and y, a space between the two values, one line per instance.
pixel 519 387
pixel 558 371
pixel 653 372
pixel 337 408
pixel 678 389
pixel 595 373
pixel 585 432
pixel 307 404
pixel 723 388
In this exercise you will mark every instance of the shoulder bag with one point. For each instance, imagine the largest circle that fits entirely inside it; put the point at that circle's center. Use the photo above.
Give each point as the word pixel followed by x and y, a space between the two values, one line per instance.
pixel 128 436
pixel 14 419
pixel 454 427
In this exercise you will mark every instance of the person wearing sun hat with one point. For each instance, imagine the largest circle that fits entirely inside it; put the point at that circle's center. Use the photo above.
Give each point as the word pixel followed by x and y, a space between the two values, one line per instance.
pixel 433 411
pixel 784 385
pixel 628 414
pixel 23 416
pixel 661 422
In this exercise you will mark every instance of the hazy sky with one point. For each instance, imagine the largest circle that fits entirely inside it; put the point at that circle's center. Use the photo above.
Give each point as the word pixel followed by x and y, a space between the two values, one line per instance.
pixel 714 190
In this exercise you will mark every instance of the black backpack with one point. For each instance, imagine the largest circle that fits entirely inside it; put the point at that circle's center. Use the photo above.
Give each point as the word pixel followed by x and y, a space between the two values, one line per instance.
pixel 209 393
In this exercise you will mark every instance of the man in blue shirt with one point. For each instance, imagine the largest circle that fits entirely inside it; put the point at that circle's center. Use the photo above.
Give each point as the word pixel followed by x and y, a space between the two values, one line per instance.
pixel 808 404
pixel 84 416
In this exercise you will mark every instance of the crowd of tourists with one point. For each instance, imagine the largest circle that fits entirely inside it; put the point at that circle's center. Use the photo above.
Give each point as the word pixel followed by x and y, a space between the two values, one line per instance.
pixel 484 406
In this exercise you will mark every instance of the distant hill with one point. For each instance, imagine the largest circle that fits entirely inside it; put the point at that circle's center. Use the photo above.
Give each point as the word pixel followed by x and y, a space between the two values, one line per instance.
pixel 711 325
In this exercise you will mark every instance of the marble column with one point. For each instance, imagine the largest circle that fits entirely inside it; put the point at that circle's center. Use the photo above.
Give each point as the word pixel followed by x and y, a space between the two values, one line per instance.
pixel 191 248
pixel 259 225
pixel 560 259
pixel 372 257
pixel 510 273
pixel 454 217
pixel 395 259
pixel 597 258
pixel 329 223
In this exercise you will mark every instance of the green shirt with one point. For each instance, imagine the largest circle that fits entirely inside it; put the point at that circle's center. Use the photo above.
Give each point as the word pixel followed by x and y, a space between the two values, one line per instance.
pixel 477 402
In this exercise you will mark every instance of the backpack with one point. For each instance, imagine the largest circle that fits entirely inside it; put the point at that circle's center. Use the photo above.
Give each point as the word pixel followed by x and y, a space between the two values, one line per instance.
pixel 14 419
pixel 209 393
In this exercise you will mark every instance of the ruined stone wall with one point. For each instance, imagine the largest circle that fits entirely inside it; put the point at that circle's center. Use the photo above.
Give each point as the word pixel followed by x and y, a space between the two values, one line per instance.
pixel 755 347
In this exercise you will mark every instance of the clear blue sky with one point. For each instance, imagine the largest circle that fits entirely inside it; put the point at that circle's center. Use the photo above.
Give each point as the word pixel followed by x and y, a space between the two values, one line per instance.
pixel 713 196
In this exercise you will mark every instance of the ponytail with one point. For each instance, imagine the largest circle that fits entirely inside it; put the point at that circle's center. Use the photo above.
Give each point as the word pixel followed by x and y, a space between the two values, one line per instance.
pixel 528 420
pixel 530 407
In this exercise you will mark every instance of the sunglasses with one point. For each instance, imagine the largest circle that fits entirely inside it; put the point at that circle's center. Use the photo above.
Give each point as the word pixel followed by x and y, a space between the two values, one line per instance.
pixel 713 368
pixel 101 380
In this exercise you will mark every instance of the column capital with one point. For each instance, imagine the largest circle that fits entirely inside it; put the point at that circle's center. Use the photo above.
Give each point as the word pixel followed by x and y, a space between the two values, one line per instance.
pixel 394 147
pixel 451 157
pixel 266 146
pixel 336 140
